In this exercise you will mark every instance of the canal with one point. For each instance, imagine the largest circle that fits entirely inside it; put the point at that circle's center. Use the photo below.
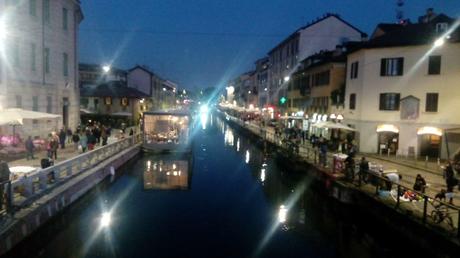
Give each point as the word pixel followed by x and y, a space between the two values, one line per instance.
pixel 229 198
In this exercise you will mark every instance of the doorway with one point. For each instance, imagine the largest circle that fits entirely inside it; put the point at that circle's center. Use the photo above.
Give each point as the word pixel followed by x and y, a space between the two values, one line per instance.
pixel 430 145
pixel 388 143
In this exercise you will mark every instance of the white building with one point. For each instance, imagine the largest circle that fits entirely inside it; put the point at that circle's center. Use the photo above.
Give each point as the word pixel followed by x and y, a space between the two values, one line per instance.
pixel 402 89
pixel 323 34
pixel 39 60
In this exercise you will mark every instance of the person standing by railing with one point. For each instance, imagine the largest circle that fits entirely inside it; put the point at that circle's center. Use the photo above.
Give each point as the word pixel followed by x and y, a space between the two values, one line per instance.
pixel 29 148
pixel 364 169
pixel 5 186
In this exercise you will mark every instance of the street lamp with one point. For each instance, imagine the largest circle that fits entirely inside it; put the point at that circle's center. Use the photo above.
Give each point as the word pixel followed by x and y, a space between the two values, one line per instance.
pixel 286 78
pixel 106 68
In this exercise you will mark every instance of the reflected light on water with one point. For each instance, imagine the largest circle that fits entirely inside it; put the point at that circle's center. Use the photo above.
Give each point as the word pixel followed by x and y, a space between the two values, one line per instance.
pixel 282 214
pixel 262 175
pixel 106 218
pixel 204 120
pixel 247 156
pixel 238 145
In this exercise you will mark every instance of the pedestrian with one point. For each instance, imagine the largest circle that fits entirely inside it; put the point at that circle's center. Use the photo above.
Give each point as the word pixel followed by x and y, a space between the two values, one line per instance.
pixel 62 137
pixel 441 195
pixel 364 169
pixel 323 153
pixel 69 135
pixel 104 135
pixel 392 178
pixel 131 132
pixel 83 142
pixel 91 140
pixel 54 146
pixel 29 148
pixel 349 168
pixel 75 140
pixel 450 193
pixel 97 134
pixel 448 172
pixel 420 183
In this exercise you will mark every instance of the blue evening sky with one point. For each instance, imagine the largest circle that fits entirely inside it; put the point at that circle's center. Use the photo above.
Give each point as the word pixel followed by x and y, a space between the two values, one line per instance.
pixel 203 43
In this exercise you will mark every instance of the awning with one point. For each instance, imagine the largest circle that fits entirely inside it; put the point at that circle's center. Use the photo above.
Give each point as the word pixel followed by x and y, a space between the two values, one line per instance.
pixel 429 130
pixel 85 111
pixel 387 128
pixel 122 114
pixel 15 116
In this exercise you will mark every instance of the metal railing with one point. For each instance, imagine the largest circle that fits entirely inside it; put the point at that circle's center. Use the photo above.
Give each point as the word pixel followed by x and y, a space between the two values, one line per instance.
pixel 25 190
pixel 424 209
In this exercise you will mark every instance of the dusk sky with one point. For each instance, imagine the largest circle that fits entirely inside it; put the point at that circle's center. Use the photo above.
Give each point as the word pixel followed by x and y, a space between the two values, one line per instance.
pixel 204 43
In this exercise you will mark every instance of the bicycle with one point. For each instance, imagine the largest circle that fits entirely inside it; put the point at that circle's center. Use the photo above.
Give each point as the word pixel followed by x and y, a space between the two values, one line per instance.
pixel 441 213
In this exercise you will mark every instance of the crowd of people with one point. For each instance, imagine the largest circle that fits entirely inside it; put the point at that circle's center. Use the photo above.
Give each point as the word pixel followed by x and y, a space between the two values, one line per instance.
pixel 83 139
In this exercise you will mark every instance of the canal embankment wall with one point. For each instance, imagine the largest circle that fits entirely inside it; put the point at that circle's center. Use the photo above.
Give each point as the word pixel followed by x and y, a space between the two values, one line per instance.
pixel 29 219
pixel 368 209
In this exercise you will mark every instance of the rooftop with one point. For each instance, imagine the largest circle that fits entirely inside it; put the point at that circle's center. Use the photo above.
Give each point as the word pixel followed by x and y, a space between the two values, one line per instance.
pixel 111 89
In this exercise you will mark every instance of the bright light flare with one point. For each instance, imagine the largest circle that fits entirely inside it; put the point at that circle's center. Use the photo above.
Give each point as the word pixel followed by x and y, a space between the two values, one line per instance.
pixel 106 219
pixel 282 214
pixel 439 42
pixel 106 68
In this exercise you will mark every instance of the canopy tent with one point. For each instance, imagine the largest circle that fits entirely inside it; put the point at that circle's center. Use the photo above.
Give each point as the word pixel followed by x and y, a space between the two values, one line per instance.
pixel 332 125
pixel 122 114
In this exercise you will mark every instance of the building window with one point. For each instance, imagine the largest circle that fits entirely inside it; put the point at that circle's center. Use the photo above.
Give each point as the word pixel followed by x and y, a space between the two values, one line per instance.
pixel 49 104
pixel 46 10
pixel 18 101
pixel 47 60
pixel 65 64
pixel 389 101
pixel 108 100
pixel 33 65
pixel 354 70
pixel 33 7
pixel 441 27
pixel 35 103
pixel 321 78
pixel 431 102
pixel 392 66
pixel 64 18
pixel 434 65
pixel 353 101
pixel 124 102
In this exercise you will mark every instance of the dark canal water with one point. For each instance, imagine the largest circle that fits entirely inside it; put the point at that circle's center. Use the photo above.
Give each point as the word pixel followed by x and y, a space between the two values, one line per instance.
pixel 228 198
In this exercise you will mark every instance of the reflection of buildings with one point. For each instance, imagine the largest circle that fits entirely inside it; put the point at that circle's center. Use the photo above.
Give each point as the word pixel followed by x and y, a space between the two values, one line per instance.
pixel 168 173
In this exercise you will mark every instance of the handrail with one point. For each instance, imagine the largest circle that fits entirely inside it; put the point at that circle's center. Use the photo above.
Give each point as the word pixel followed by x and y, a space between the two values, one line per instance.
pixel 329 161
pixel 28 188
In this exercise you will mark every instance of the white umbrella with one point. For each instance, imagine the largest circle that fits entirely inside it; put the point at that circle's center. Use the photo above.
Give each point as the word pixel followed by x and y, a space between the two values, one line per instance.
pixel 332 125
pixel 16 116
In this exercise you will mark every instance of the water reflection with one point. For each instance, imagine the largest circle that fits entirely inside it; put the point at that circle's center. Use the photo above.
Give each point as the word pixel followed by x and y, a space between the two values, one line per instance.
pixel 165 172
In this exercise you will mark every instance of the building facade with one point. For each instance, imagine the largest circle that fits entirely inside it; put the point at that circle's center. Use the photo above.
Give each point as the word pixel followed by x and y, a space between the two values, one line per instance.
pixel 319 84
pixel 39 60
pixel 144 80
pixel 401 89
pixel 94 74
pixel 261 81
pixel 323 34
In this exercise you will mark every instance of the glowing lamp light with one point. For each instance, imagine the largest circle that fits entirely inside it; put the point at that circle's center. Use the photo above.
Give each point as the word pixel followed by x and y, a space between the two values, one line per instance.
pixel 282 214
pixel 387 128
pixel 287 78
pixel 106 68
pixel 251 106
pixel 164 89
pixel 439 42
pixel 265 89
pixel 333 116
pixel 324 118
pixel 106 219
pixel 339 117
pixel 429 130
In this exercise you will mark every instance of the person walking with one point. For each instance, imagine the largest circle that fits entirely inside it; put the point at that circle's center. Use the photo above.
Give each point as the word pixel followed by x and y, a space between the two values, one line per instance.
pixel 69 135
pixel 349 168
pixel 62 137
pixel 83 142
pixel 104 135
pixel 364 169
pixel 323 152
pixel 91 140
pixel 54 146
pixel 75 140
pixel 29 148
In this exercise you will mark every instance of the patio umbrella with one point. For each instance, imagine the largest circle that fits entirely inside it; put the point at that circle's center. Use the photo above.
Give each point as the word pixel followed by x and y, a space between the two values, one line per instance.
pixel 16 116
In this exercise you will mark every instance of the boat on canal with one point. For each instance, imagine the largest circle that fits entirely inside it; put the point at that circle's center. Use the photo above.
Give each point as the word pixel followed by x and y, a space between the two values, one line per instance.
pixel 167 131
